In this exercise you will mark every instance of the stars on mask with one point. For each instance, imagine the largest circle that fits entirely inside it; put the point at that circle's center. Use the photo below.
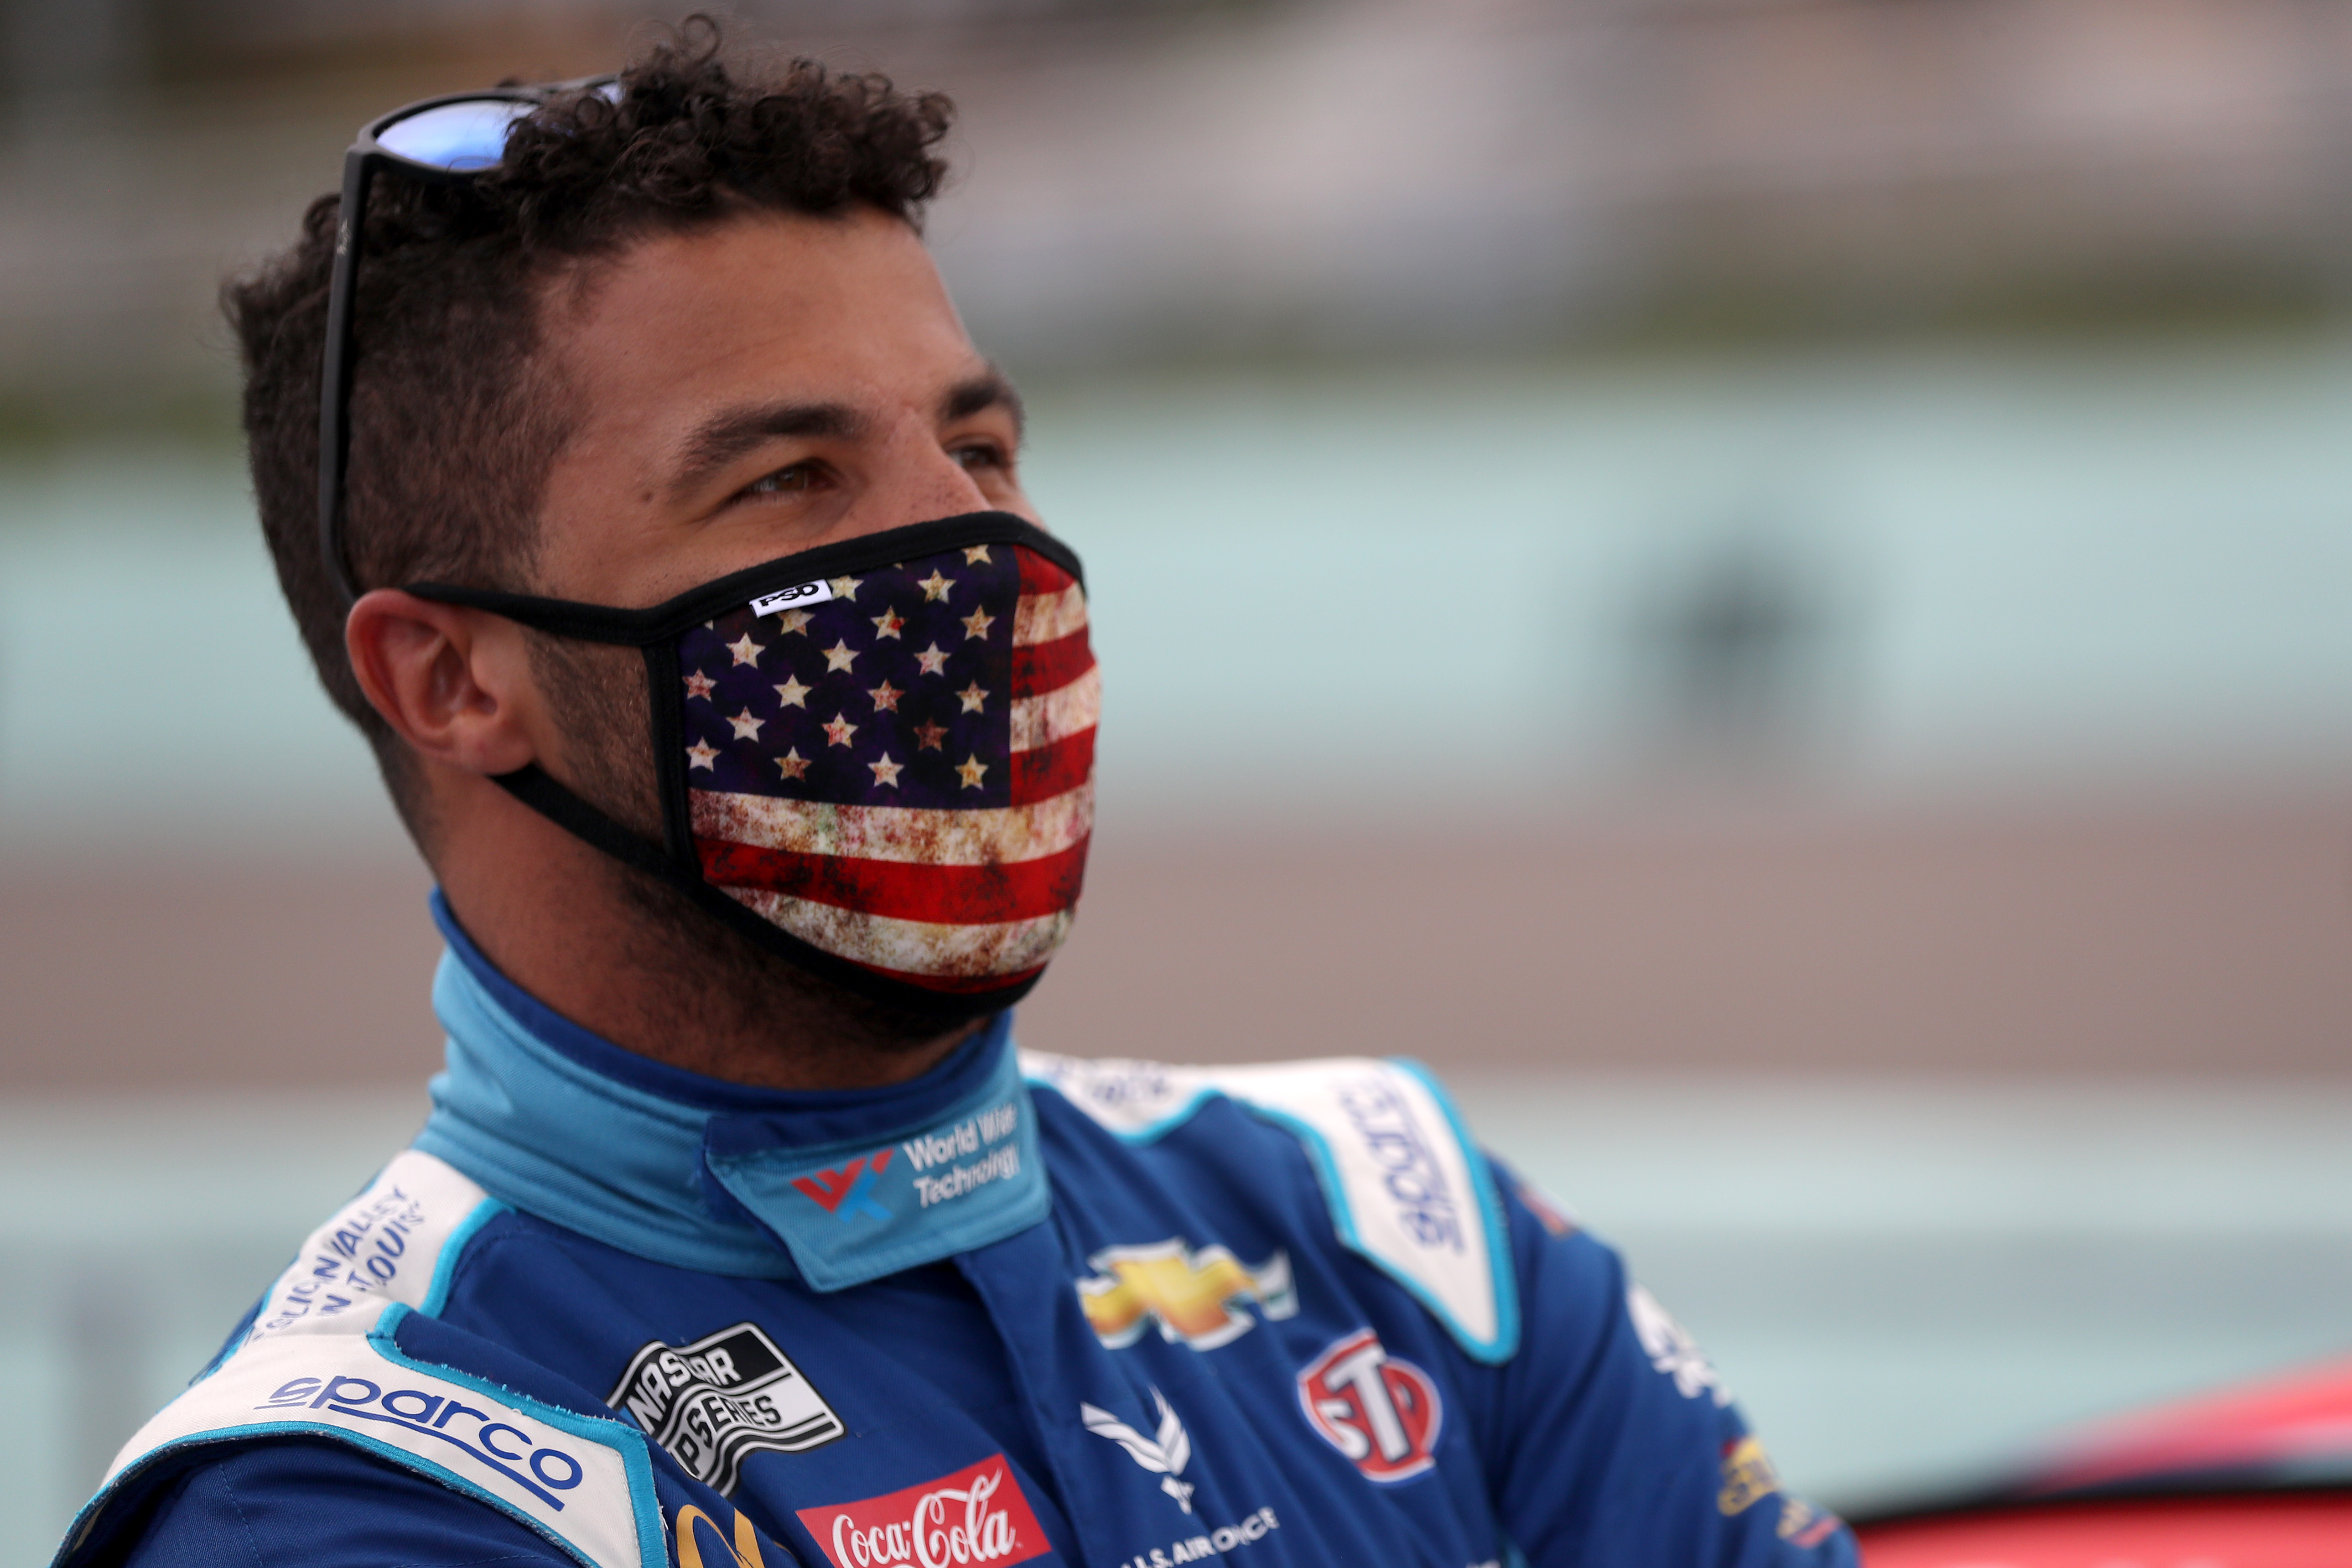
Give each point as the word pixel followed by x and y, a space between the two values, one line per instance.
pixel 842 709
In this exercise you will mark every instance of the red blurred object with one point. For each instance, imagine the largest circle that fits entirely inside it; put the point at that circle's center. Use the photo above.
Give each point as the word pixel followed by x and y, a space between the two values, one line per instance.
pixel 2258 1476
pixel 2289 1531
pixel 2303 1417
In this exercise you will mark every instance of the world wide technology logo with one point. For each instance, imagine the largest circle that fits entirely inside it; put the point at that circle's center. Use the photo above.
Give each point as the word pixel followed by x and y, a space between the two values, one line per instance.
pixel 848 1193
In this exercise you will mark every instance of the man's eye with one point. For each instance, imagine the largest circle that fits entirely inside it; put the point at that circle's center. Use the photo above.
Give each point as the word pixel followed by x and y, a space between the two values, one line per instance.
pixel 980 455
pixel 784 481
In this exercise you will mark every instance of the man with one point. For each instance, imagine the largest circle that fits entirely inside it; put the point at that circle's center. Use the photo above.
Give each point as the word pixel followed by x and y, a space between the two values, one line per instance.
pixel 681 576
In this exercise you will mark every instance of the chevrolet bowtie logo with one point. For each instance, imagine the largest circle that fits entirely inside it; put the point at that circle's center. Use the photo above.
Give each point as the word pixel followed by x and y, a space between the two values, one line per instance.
pixel 1194 1296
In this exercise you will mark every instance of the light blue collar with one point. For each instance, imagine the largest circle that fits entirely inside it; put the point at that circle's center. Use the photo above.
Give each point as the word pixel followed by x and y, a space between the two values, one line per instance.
pixel 834 1187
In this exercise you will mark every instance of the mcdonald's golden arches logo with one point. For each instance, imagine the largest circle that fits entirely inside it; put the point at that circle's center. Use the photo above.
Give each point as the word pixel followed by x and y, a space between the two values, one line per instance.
pixel 743 1552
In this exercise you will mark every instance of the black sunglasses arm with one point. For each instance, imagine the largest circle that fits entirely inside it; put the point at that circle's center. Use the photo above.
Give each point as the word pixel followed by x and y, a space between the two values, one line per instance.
pixel 360 165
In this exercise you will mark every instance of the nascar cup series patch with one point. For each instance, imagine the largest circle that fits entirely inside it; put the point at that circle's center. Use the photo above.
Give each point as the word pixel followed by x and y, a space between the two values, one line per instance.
pixel 724 1396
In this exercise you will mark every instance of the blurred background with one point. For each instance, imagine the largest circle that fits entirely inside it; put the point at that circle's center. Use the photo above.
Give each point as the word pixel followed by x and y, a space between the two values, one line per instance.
pixel 1762 582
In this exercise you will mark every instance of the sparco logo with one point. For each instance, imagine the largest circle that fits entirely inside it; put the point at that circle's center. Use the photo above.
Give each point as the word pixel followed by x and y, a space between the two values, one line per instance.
pixel 540 1468
pixel 722 1397
pixel 976 1516
pixel 1408 1164
pixel 1381 1412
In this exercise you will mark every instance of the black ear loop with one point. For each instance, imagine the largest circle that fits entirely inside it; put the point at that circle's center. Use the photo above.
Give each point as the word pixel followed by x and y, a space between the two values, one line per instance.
pixel 674 864
pixel 673 859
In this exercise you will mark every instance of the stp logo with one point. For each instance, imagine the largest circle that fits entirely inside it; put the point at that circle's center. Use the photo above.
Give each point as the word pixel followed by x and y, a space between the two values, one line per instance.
pixel 975 1517
pixel 1381 1412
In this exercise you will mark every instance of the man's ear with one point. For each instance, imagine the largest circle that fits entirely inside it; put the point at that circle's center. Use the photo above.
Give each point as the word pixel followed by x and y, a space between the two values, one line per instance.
pixel 454 682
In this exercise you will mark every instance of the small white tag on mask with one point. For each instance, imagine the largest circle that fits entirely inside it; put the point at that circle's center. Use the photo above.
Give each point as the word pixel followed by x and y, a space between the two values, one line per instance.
pixel 816 592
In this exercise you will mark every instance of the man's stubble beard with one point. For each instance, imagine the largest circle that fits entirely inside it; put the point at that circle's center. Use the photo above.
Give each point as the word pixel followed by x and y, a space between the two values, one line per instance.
pixel 711 979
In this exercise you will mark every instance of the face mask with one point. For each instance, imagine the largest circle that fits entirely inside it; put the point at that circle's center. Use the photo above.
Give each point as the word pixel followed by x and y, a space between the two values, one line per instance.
pixel 876 757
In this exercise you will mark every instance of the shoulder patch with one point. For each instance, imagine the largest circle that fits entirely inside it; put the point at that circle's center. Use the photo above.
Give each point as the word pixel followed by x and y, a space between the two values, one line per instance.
pixel 319 1360
pixel 396 1242
pixel 583 1482
pixel 1407 1189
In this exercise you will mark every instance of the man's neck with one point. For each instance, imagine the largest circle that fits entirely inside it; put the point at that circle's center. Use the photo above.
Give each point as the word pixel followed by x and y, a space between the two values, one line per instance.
pixel 635 961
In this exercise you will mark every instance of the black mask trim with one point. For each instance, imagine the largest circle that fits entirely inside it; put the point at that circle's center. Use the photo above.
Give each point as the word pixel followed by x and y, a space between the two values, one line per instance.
pixel 662 622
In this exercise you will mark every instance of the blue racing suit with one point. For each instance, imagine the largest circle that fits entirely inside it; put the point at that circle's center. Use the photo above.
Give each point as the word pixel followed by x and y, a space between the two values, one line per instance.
pixel 1023 1309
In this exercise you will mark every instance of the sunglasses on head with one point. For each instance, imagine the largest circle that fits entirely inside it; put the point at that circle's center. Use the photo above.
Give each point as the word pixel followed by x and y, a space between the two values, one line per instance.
pixel 441 141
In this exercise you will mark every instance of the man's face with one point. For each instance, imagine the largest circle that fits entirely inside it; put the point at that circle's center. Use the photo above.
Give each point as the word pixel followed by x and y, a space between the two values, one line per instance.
pixel 754 389
pixel 742 393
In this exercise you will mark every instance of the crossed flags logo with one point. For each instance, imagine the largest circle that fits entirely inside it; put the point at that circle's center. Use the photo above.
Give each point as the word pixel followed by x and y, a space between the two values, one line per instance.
pixel 1165 1454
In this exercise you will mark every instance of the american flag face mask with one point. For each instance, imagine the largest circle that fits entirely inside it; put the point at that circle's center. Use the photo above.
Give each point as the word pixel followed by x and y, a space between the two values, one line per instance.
pixel 876 757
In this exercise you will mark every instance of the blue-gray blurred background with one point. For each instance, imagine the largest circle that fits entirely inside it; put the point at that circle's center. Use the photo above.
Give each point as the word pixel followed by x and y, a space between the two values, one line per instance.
pixel 1763 583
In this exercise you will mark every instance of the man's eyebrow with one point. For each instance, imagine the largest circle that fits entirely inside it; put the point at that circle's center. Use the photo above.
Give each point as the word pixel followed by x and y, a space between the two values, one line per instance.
pixel 990 389
pixel 721 439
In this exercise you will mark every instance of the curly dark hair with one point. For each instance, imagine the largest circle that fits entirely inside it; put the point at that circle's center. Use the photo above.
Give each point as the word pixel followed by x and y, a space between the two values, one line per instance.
pixel 455 416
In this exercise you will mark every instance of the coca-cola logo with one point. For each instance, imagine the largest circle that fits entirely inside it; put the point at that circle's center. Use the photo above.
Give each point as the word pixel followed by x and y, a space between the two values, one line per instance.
pixel 975 1517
